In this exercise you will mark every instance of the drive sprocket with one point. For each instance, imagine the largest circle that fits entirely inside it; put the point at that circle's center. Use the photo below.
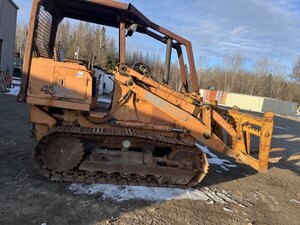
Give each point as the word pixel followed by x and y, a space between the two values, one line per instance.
pixel 62 153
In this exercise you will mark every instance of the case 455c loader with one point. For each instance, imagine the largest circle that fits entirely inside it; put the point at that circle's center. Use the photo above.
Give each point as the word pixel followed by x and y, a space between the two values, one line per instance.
pixel 147 135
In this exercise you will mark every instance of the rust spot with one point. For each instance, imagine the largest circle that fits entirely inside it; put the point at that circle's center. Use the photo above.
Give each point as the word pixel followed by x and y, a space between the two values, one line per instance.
pixel 268 119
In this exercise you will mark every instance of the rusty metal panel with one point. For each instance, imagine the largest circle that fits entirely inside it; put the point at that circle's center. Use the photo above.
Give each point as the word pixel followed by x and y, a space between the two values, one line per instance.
pixel 8 21
pixel 224 96
pixel 182 69
pixel 122 42
pixel 213 95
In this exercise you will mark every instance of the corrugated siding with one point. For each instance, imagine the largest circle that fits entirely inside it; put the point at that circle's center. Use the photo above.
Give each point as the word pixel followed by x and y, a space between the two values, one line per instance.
pixel 247 102
pixel 206 95
pixel 219 96
pixel 279 106
pixel 224 96
pixel 213 95
pixel 209 95
pixel 8 21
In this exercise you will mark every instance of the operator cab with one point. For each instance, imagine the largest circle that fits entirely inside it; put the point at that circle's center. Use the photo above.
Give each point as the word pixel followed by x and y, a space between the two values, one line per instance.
pixel 50 80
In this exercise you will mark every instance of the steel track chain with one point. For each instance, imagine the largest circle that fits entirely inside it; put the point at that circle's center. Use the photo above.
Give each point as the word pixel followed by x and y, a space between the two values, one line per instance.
pixel 95 134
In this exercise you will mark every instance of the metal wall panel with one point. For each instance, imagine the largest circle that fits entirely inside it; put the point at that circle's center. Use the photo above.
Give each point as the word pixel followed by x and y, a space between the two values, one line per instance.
pixel 209 95
pixel 206 95
pixel 213 95
pixel 279 106
pixel 8 21
pixel 224 96
pixel 219 96
pixel 247 102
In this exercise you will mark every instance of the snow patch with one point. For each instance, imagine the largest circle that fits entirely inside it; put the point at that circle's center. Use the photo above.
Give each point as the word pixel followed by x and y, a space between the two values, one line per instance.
pixel 228 198
pixel 214 159
pixel 228 209
pixel 125 193
pixel 155 194
pixel 15 89
pixel 16 81
pixel 265 197
pixel 295 201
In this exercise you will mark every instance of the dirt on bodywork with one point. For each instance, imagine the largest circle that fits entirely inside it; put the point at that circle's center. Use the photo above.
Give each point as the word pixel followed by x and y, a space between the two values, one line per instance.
pixel 234 196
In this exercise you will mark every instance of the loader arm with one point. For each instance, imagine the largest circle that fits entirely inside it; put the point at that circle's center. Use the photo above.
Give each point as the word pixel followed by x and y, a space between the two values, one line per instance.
pixel 201 126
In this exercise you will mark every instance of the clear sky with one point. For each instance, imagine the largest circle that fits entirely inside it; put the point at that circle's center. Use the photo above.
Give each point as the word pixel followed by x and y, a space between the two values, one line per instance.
pixel 254 28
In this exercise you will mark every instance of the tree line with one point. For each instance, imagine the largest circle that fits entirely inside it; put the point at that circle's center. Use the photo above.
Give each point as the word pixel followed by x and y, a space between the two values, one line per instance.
pixel 90 43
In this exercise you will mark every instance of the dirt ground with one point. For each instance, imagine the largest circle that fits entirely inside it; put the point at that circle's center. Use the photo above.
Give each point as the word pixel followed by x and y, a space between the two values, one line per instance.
pixel 28 198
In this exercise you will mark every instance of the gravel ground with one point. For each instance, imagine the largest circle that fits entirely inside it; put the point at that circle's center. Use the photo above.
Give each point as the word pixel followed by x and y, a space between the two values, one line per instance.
pixel 236 196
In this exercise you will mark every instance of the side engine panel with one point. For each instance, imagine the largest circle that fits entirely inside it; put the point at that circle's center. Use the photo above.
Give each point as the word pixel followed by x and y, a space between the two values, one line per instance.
pixel 59 84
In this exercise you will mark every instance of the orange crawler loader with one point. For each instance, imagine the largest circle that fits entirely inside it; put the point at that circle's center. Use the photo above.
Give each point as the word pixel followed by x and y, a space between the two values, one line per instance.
pixel 147 135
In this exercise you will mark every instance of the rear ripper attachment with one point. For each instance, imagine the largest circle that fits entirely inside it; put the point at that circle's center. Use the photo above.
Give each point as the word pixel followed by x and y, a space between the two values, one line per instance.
pixel 147 134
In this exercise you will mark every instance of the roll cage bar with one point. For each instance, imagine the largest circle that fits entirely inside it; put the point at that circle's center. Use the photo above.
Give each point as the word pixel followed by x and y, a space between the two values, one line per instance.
pixel 105 12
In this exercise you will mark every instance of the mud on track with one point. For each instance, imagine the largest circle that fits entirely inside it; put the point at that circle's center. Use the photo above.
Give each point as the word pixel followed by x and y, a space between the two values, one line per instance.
pixel 236 196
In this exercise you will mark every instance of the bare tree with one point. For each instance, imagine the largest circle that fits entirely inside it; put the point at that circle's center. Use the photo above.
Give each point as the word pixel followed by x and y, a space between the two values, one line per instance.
pixel 261 69
pixel 233 65
pixel 296 70
pixel 21 39
pixel 203 65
